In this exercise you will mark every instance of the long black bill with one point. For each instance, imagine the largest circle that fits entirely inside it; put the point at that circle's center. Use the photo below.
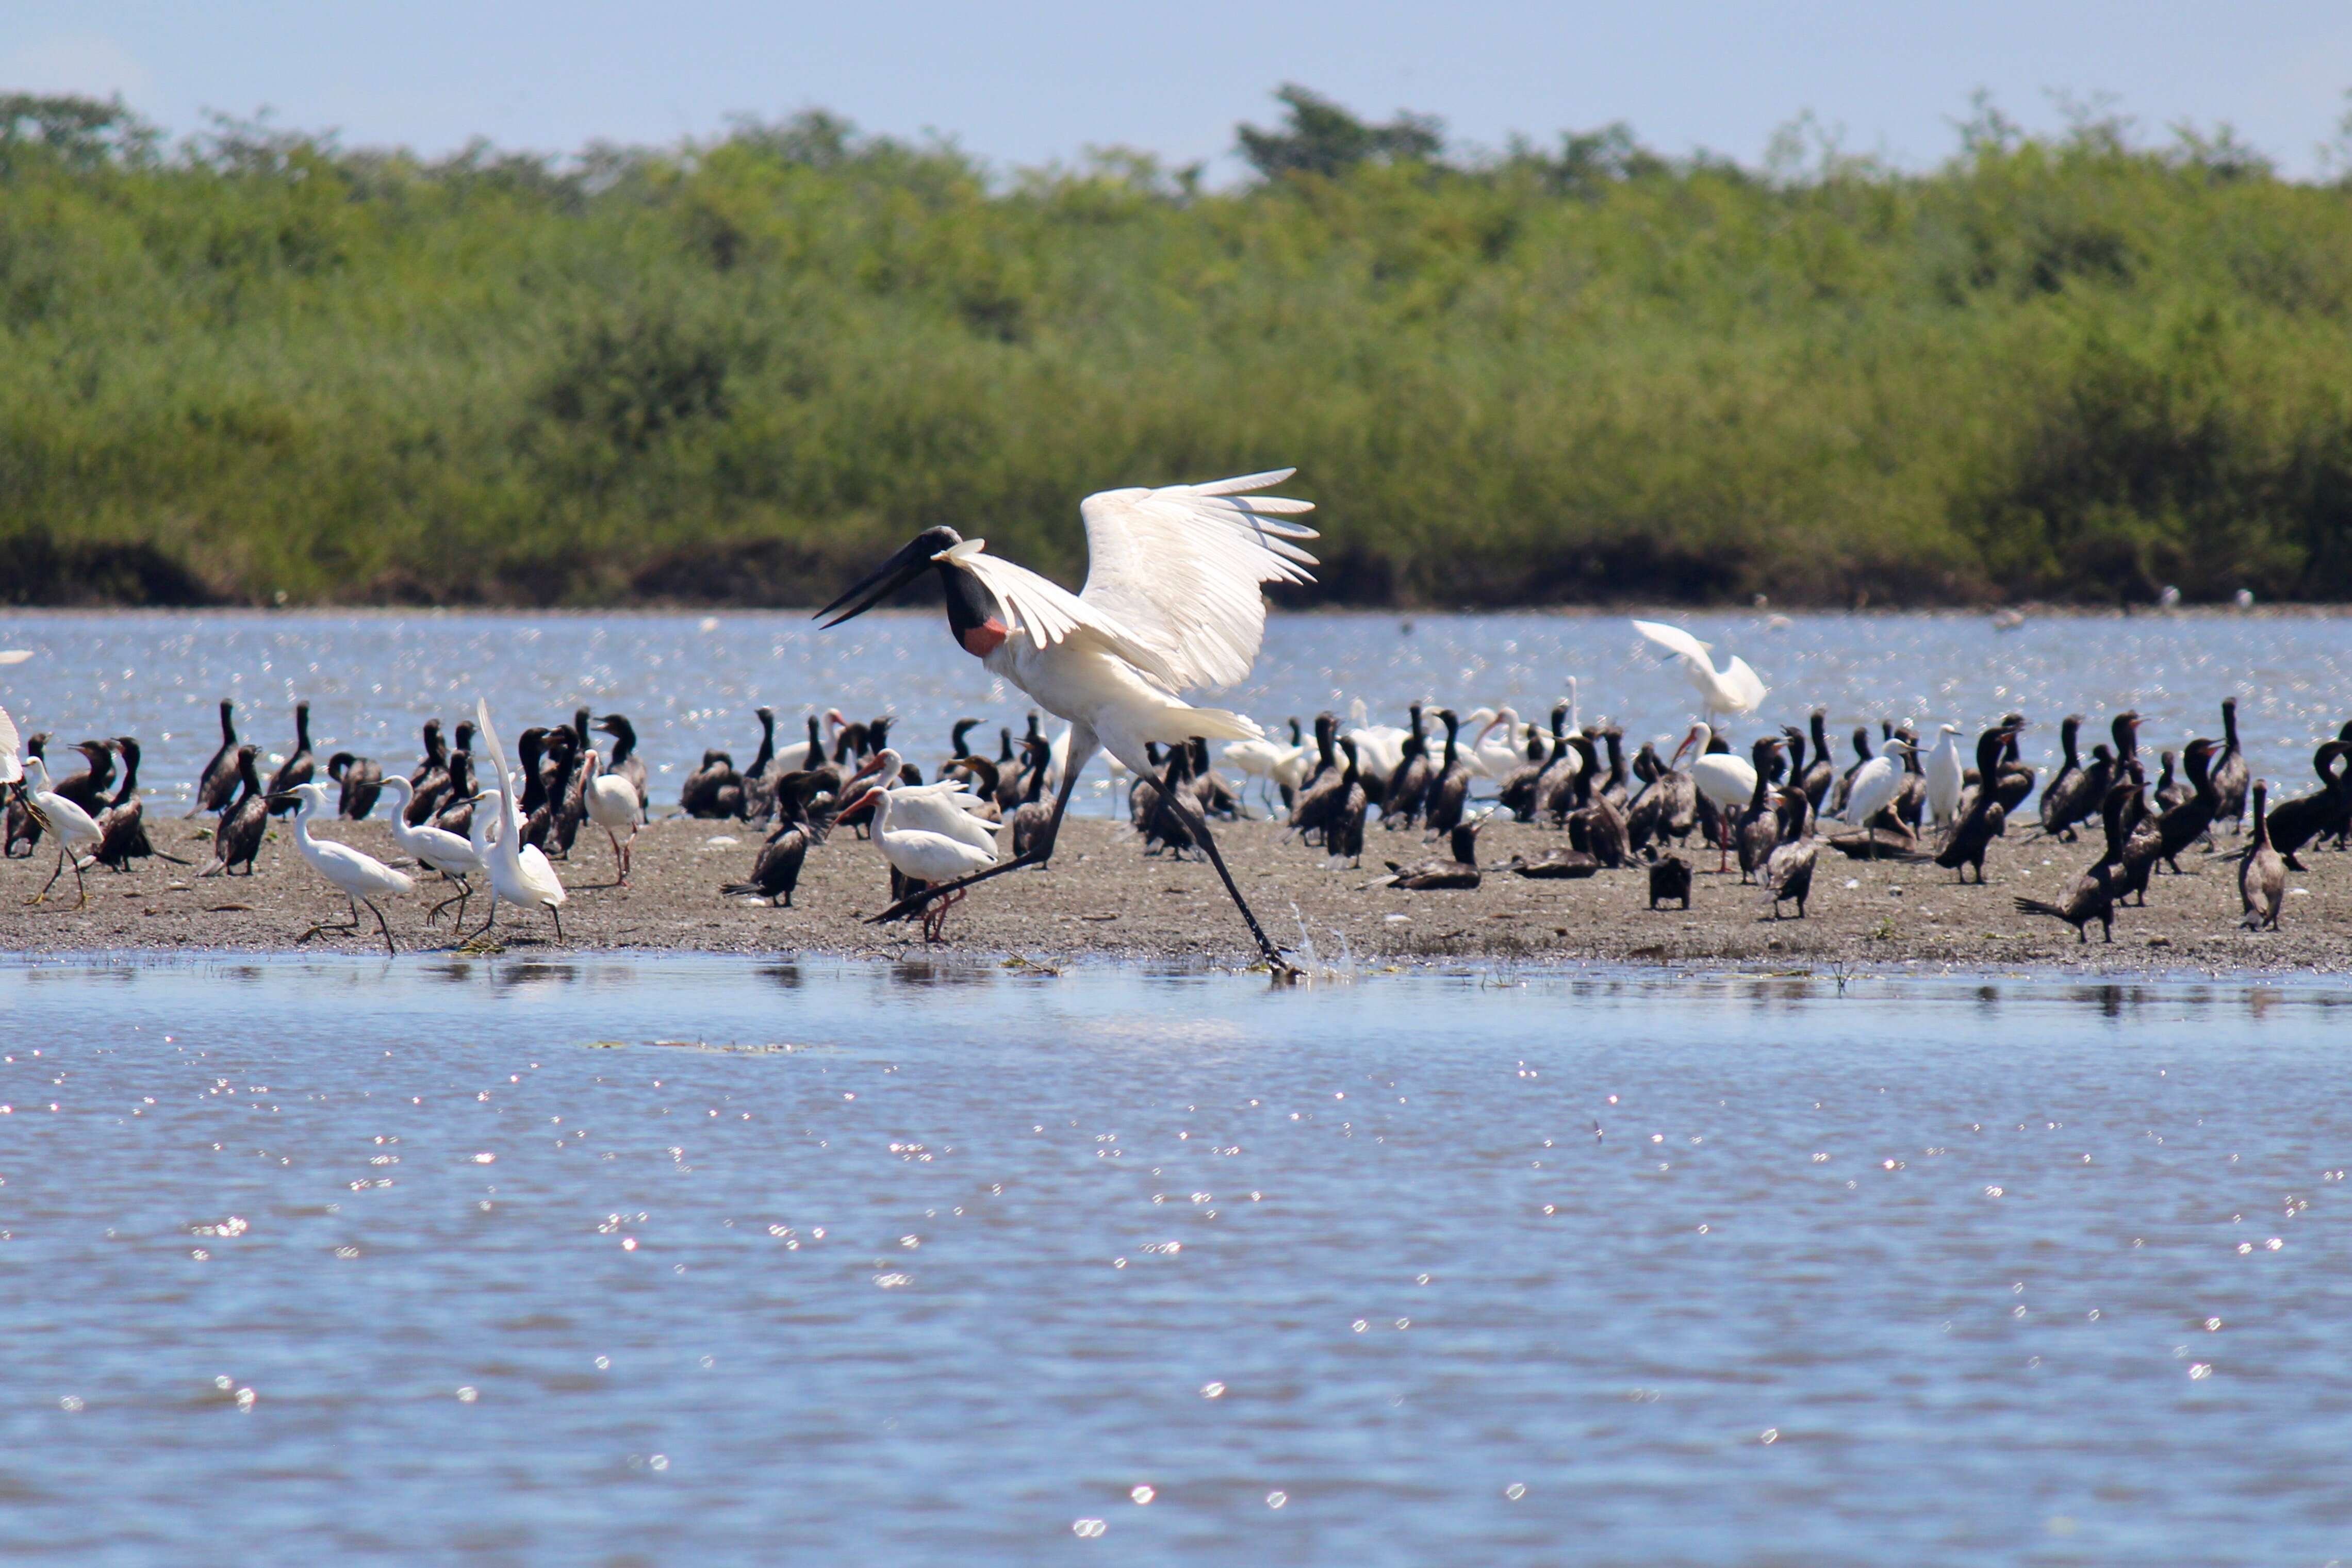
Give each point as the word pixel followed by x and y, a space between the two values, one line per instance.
pixel 894 574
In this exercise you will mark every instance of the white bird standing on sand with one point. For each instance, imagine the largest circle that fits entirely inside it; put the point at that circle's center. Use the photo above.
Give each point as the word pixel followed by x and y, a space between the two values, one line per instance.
pixel 1733 689
pixel 944 807
pixel 75 828
pixel 613 805
pixel 519 872
pixel 1725 778
pixel 1875 787
pixel 924 853
pixel 436 849
pixel 360 877
pixel 1945 774
pixel 1172 604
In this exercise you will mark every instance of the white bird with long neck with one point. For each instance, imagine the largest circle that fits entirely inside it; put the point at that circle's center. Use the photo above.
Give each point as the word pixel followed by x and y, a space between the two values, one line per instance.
pixel 435 847
pixel 1172 604
pixel 921 853
pixel 1946 774
pixel 360 877
pixel 519 872
pixel 75 829
pixel 1733 690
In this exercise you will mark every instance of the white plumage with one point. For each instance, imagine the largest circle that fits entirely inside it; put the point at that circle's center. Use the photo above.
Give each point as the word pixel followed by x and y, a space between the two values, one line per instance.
pixel 519 873
pixel 357 875
pixel 10 768
pixel 613 805
pixel 74 827
pixel 1945 776
pixel 1876 784
pixel 1724 778
pixel 1172 604
pixel 1733 689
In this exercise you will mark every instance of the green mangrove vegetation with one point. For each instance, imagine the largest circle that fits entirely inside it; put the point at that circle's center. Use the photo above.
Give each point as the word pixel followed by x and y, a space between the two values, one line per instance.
pixel 260 367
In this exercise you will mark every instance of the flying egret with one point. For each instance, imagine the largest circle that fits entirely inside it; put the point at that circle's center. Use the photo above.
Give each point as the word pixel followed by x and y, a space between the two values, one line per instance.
pixel 360 877
pixel 1733 689
pixel 1172 604
pixel 434 848
pixel 519 872
pixel 74 827
pixel 924 854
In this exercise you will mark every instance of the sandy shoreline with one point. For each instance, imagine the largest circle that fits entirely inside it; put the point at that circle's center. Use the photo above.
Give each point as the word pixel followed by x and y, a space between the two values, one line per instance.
pixel 1102 898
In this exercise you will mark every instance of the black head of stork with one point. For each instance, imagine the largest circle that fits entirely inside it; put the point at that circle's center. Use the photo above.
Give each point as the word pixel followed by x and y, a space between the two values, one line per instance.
pixel 974 616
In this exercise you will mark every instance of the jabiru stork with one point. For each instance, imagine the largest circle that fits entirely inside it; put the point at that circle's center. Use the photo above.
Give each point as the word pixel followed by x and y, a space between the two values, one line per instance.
pixel 1172 604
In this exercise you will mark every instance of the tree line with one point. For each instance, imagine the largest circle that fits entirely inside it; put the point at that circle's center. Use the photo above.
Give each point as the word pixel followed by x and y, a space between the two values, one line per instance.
pixel 2072 367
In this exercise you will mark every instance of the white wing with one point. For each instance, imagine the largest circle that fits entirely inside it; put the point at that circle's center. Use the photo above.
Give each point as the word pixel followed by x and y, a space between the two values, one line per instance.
pixel 10 768
pixel 488 735
pixel 1179 569
pixel 1744 683
pixel 1674 640
pixel 1046 612
pixel 14 656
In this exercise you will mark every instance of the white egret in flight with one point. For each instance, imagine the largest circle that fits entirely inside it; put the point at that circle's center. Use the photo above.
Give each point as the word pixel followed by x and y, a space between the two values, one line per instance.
pixel 1172 604
pixel 1733 689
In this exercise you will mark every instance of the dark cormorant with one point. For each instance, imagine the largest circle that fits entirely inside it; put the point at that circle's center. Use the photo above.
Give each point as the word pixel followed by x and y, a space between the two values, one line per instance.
pixel 217 783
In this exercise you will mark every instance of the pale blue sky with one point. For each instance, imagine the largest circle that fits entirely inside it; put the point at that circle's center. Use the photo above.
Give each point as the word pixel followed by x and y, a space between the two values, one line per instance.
pixel 1029 84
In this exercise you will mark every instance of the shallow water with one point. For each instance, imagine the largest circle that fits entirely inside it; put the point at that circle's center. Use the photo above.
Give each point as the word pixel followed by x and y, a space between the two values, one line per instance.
pixel 692 682
pixel 946 1264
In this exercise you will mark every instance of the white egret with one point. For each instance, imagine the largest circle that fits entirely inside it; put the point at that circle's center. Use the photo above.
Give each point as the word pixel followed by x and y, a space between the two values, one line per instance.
pixel 1172 604
pixel 923 853
pixel 1875 785
pixel 1945 774
pixel 14 656
pixel 75 828
pixel 1733 689
pixel 519 872
pixel 436 848
pixel 360 877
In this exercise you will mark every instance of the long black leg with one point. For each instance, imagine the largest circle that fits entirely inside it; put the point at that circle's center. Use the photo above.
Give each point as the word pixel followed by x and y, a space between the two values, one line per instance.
pixel 1198 826
pixel 380 925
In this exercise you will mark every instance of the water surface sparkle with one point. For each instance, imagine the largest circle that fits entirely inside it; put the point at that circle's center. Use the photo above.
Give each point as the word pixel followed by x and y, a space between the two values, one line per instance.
pixel 357 1262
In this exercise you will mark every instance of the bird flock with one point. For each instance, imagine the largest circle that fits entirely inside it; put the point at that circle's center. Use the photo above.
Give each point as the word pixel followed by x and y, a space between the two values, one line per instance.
pixel 1438 778
pixel 1172 604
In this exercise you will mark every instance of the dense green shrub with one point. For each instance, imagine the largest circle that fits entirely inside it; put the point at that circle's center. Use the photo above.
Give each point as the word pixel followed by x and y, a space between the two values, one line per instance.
pixel 735 371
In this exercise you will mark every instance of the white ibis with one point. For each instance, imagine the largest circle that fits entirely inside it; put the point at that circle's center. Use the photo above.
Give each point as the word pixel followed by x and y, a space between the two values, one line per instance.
pixel 1727 782
pixel 613 805
pixel 1735 689
pixel 360 877
pixel 1172 604
pixel 921 853
pixel 519 872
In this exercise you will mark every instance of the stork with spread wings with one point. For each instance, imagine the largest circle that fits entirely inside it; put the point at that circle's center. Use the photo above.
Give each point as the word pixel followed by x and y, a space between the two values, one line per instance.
pixel 1172 605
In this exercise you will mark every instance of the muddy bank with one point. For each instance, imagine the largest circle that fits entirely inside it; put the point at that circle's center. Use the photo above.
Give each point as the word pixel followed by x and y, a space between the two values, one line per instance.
pixel 1102 898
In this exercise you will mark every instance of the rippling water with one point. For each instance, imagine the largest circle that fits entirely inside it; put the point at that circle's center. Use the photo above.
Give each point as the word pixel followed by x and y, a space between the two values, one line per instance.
pixel 333 1261
pixel 692 682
